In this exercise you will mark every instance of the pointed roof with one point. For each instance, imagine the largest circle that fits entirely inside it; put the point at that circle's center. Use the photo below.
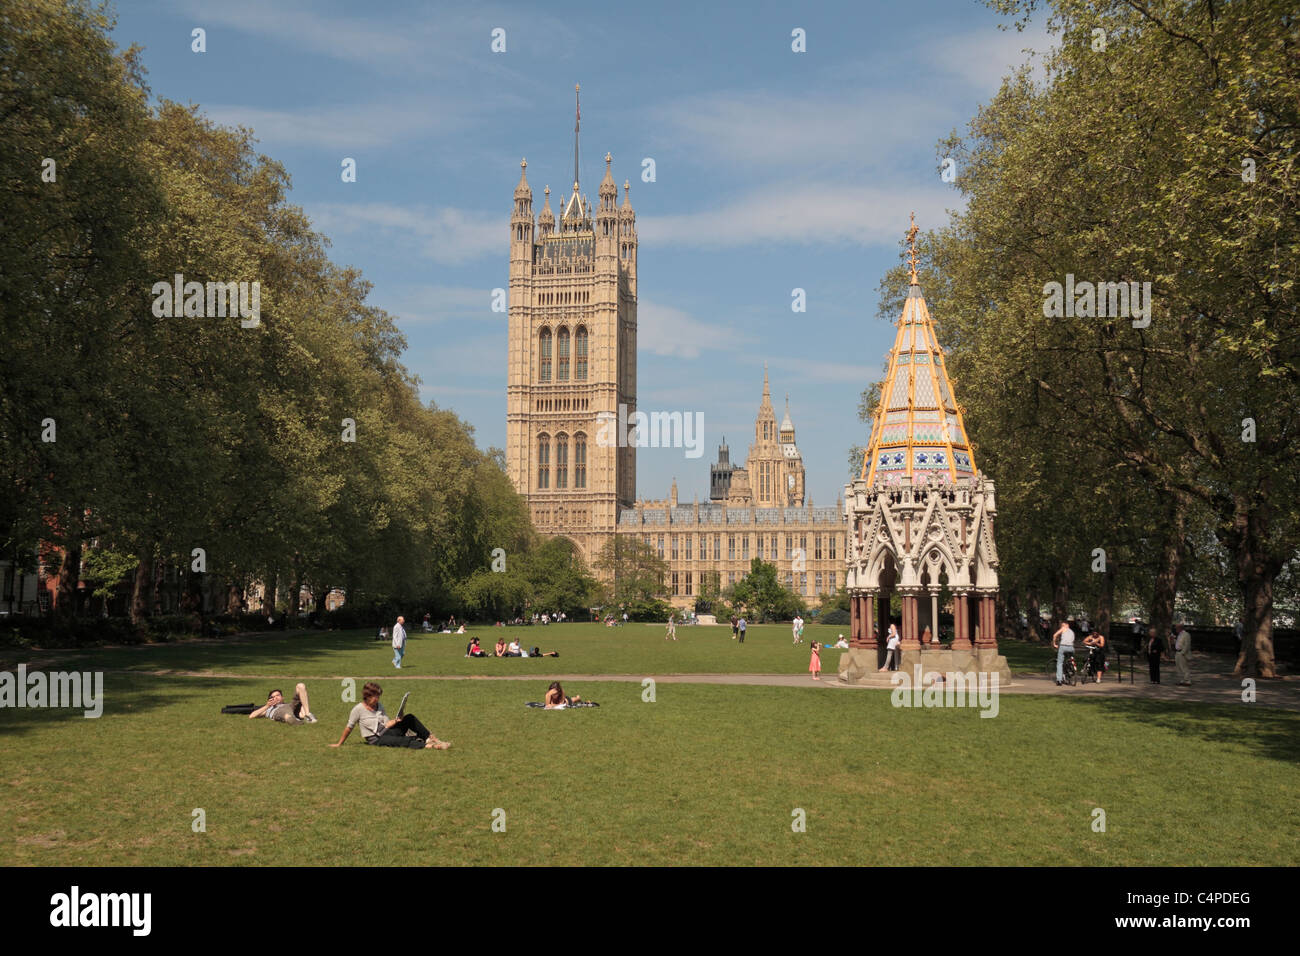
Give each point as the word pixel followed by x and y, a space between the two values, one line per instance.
pixel 608 188
pixel 627 201
pixel 786 424
pixel 547 217
pixel 523 191
pixel 918 429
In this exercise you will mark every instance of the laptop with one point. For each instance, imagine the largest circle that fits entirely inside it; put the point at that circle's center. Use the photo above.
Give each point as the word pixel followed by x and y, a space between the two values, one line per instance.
pixel 401 708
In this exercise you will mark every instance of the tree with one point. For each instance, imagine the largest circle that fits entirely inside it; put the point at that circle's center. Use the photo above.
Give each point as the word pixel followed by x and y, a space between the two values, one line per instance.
pixel 634 568
pixel 761 593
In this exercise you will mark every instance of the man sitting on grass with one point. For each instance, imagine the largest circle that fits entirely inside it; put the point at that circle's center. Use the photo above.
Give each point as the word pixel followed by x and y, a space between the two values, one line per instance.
pixel 377 729
pixel 297 712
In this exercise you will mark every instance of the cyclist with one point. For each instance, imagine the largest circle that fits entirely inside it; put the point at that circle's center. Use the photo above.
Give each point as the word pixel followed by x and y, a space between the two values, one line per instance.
pixel 1063 642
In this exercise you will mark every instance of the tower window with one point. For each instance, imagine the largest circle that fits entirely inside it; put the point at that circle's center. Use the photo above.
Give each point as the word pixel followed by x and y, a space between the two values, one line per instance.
pixel 562 355
pixel 543 462
pixel 580 354
pixel 580 460
pixel 545 350
pixel 561 461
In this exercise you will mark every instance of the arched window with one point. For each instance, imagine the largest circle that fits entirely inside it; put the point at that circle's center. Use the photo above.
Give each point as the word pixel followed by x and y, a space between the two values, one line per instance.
pixel 561 461
pixel 580 460
pixel 544 341
pixel 543 462
pixel 562 355
pixel 580 354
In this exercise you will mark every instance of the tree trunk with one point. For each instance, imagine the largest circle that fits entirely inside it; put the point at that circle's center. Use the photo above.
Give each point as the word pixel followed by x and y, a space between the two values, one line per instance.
pixel 234 599
pixel 268 594
pixel 1171 560
pixel 1105 601
pixel 321 594
pixel 1035 616
pixel 1060 596
pixel 1011 621
pixel 65 605
pixel 142 589
pixel 159 585
pixel 1256 572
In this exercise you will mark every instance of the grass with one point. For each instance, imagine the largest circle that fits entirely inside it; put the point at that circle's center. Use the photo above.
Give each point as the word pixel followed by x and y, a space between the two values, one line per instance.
pixel 706 774
pixel 584 649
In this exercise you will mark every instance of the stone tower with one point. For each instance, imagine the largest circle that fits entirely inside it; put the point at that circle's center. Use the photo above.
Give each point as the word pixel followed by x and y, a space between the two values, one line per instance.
pixel 921 516
pixel 571 379
pixel 775 467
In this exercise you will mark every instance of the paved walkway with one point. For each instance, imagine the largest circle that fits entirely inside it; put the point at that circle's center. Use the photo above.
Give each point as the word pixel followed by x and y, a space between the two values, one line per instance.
pixel 1210 684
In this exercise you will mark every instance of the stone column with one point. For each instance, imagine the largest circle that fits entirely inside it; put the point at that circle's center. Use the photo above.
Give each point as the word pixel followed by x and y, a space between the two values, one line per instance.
pixel 910 634
pixel 987 635
pixel 934 614
pixel 869 621
pixel 961 622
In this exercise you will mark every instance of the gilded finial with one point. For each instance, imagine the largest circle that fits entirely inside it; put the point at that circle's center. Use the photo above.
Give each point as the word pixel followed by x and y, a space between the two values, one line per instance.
pixel 911 247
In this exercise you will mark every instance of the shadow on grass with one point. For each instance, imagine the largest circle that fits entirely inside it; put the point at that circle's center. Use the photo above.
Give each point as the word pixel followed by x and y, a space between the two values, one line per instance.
pixel 1273 734
pixel 300 647
pixel 123 694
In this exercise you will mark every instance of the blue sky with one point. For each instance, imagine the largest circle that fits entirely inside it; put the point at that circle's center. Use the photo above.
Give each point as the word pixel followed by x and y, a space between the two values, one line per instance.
pixel 775 170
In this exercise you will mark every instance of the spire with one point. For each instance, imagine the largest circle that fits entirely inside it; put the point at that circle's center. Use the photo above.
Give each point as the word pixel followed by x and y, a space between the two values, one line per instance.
pixel 918 430
pixel 786 424
pixel 523 189
pixel 767 392
pixel 547 219
pixel 627 200
pixel 911 248
pixel 577 121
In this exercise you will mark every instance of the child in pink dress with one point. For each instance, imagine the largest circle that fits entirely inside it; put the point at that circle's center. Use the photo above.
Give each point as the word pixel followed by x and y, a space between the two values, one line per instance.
pixel 815 664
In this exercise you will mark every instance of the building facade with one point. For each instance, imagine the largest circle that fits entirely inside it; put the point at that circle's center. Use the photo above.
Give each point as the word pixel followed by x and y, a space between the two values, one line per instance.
pixel 572 358
pixel 572 372
pixel 755 510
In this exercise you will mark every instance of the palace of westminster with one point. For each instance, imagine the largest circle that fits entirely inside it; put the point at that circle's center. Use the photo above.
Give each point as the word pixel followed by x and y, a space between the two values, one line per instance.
pixel 573 361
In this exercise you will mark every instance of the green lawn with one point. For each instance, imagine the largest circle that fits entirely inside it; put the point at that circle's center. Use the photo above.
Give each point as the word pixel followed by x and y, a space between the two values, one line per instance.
pixel 584 649
pixel 707 774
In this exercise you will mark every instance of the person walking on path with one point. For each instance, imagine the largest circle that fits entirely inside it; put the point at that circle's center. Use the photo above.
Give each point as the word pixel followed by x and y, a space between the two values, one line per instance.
pixel 740 629
pixel 1155 648
pixel 796 629
pixel 815 663
pixel 672 629
pixel 399 642
pixel 1183 656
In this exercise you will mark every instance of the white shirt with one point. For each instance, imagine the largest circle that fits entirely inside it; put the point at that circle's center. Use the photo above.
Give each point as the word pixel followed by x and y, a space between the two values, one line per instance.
pixel 1183 642
pixel 399 637
pixel 1067 638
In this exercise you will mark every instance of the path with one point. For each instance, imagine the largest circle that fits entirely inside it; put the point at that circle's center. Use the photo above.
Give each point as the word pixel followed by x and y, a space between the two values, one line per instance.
pixel 1207 687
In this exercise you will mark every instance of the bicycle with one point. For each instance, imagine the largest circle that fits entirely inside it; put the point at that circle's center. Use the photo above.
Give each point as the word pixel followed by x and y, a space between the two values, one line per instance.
pixel 1069 670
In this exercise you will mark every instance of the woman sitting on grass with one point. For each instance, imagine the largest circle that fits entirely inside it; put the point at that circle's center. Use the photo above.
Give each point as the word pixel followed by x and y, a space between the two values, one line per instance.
pixel 379 730
pixel 500 649
pixel 555 699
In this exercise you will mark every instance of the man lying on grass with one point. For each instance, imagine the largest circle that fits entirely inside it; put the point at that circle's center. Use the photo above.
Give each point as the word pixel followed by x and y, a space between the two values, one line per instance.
pixel 377 729
pixel 298 712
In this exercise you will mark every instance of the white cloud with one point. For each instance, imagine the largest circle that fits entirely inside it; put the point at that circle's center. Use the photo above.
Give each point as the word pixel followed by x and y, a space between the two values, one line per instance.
pixel 361 126
pixel 447 236
pixel 816 131
pixel 664 330
pixel 983 57
pixel 426 304
pixel 809 214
